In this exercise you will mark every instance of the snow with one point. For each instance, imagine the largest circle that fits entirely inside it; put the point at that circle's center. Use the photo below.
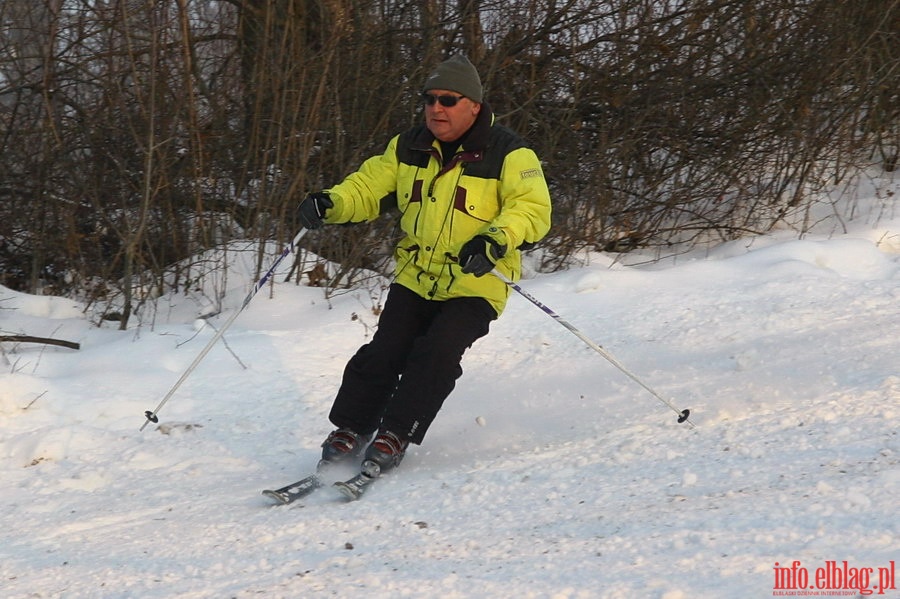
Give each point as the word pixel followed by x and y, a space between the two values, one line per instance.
pixel 549 473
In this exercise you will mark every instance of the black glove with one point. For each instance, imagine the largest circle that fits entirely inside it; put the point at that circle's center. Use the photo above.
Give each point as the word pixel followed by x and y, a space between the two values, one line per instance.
pixel 479 255
pixel 311 211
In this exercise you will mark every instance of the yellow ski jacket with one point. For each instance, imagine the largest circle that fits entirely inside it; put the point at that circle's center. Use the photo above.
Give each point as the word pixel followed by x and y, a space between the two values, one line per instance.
pixel 492 186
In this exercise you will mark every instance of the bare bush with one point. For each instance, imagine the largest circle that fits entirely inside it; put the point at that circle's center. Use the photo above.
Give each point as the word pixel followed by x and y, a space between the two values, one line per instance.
pixel 136 133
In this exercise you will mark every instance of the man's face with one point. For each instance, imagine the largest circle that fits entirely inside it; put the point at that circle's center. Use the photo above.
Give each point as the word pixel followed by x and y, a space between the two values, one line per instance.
pixel 448 123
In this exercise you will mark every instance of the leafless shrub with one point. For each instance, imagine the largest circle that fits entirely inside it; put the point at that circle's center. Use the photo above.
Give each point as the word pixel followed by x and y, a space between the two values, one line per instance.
pixel 134 133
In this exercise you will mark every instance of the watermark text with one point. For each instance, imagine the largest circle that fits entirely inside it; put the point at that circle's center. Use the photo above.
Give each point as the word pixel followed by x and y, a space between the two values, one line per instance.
pixel 833 579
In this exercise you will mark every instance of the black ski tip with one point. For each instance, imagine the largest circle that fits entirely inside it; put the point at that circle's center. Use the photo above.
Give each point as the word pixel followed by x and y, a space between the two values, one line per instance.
pixel 151 416
pixel 349 492
pixel 354 488
pixel 685 414
pixel 281 498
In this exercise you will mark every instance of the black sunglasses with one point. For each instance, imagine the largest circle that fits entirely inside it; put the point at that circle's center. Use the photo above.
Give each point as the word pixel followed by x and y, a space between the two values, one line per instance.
pixel 446 101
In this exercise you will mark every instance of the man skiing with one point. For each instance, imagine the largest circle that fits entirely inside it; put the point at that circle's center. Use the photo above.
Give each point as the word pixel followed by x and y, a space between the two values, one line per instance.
pixel 470 194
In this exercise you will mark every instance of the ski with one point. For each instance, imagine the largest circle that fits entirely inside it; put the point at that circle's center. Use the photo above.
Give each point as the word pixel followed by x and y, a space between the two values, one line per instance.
pixel 294 491
pixel 354 488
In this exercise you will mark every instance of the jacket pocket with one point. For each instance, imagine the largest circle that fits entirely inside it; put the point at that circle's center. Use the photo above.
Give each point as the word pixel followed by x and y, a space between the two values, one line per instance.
pixel 478 199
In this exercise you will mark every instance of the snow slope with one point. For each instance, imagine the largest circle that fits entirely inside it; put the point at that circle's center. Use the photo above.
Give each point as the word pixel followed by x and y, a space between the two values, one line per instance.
pixel 548 473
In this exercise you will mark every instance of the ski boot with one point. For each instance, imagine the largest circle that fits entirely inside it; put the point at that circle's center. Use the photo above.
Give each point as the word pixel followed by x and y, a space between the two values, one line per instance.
pixel 341 445
pixel 385 453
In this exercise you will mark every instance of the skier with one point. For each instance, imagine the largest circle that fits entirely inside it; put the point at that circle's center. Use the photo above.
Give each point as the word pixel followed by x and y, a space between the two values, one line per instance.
pixel 470 194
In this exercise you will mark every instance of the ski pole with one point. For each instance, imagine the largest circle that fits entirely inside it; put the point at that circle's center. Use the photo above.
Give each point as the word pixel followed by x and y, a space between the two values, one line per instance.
pixel 683 415
pixel 153 416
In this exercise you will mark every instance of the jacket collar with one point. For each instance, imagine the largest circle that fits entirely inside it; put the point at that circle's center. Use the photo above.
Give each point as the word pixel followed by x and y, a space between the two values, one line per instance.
pixel 473 140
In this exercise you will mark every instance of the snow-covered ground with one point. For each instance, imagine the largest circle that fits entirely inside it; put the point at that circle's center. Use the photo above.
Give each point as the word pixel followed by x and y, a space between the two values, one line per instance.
pixel 548 473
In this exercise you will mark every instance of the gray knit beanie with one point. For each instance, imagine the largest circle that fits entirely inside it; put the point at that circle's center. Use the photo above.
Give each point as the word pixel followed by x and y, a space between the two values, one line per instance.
pixel 456 74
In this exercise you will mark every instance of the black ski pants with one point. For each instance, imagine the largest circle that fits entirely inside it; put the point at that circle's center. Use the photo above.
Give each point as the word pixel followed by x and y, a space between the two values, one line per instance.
pixel 399 380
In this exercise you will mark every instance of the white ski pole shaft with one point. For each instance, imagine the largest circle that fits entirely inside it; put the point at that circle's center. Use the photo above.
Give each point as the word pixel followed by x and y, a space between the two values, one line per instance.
pixel 153 416
pixel 683 415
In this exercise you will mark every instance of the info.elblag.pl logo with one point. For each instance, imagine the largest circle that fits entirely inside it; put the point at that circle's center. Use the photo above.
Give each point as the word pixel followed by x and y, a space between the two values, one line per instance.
pixel 833 579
